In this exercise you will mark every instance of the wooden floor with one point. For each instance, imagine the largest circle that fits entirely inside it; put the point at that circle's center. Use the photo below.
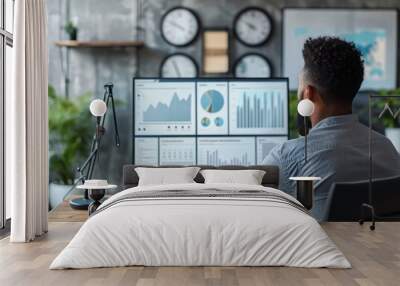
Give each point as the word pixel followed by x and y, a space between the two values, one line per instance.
pixel 64 213
pixel 375 257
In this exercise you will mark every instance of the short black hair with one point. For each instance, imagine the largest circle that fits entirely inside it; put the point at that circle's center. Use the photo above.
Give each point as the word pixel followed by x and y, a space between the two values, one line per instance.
pixel 334 67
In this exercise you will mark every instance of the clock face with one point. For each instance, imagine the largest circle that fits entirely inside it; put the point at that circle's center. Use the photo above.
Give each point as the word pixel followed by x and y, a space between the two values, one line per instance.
pixel 252 26
pixel 252 65
pixel 179 26
pixel 178 65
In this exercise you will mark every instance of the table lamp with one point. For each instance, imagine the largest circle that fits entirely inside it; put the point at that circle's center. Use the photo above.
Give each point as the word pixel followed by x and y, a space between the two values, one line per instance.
pixel 98 108
pixel 305 184
pixel 305 108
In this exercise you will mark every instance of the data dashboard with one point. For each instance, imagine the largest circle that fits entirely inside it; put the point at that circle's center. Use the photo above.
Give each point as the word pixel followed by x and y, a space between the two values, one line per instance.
pixel 208 121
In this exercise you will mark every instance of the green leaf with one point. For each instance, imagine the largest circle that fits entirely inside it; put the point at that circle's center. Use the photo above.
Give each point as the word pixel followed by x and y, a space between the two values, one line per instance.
pixel 71 128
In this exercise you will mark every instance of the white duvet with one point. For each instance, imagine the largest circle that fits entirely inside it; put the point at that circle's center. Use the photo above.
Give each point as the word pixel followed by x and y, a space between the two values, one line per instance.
pixel 200 231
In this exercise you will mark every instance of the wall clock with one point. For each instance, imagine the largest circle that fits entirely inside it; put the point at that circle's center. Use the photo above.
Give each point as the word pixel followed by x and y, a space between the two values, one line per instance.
pixel 180 26
pixel 252 65
pixel 179 65
pixel 252 26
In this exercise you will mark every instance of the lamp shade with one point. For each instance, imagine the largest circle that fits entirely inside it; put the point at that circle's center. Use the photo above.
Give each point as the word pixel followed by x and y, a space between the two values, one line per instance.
pixel 305 107
pixel 98 107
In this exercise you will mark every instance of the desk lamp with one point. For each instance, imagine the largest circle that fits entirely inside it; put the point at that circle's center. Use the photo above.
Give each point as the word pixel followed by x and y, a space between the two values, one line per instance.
pixel 98 108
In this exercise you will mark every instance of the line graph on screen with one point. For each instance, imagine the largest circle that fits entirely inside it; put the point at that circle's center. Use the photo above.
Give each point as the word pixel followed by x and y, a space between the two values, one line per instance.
pixel 165 108
pixel 178 110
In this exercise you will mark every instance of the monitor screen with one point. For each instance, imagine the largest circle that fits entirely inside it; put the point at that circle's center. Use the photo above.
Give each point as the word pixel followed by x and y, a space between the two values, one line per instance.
pixel 212 111
pixel 177 151
pixel 258 107
pixel 164 107
pixel 220 151
pixel 146 151
pixel 265 144
pixel 208 121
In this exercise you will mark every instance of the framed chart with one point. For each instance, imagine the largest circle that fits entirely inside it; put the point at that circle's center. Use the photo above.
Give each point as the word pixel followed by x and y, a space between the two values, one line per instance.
pixel 374 32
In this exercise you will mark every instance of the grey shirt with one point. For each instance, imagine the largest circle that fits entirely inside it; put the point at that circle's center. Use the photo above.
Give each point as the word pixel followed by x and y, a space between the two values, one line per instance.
pixel 337 152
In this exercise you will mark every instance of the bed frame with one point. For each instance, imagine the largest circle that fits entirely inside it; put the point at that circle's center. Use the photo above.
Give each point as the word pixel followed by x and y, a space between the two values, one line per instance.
pixel 271 178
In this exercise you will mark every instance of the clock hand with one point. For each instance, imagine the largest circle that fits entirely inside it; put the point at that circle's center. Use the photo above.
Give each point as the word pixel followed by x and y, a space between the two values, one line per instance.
pixel 251 26
pixel 176 68
pixel 173 23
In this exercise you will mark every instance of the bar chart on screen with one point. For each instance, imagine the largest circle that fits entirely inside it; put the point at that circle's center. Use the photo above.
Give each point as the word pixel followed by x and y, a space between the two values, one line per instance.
pixel 258 108
pixel 178 151
pixel 146 151
pixel 220 151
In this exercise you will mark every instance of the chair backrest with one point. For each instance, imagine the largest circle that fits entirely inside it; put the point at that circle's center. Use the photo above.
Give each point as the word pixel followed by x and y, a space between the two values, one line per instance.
pixel 270 179
pixel 345 199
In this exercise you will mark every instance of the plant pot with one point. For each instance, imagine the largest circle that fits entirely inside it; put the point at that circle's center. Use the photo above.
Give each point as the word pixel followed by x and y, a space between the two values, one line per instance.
pixel 57 193
pixel 393 134
pixel 73 36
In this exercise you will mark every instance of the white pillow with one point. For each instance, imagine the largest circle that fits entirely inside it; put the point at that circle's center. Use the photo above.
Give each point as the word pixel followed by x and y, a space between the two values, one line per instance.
pixel 166 176
pixel 248 177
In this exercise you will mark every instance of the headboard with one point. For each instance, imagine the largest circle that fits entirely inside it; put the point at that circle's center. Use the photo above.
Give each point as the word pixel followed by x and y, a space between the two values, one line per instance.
pixel 271 178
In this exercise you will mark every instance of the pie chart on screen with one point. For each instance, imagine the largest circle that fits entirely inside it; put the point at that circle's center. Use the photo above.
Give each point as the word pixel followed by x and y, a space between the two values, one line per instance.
pixel 205 122
pixel 218 121
pixel 212 101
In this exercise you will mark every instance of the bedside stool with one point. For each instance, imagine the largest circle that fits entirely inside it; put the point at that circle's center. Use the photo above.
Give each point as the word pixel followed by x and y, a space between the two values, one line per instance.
pixel 96 190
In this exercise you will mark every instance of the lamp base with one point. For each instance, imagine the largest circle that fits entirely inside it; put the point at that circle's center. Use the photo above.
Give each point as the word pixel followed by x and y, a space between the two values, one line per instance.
pixel 80 203
pixel 305 190
pixel 305 193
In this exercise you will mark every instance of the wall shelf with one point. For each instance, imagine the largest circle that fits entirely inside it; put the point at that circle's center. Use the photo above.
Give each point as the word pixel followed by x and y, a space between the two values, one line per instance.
pixel 99 44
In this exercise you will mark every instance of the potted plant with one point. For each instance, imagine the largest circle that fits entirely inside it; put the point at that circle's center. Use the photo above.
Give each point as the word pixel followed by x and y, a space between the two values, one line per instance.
pixel 389 110
pixel 70 133
pixel 71 30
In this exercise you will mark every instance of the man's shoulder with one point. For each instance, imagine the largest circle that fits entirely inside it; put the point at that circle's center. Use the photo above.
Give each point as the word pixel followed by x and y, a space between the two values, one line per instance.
pixel 291 147
pixel 376 136
pixel 293 143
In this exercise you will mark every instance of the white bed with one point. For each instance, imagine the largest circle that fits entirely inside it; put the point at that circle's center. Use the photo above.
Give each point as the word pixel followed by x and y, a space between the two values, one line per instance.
pixel 202 231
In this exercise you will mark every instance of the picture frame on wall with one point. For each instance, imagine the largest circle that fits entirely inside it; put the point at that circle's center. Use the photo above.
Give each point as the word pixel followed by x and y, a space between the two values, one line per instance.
pixel 374 32
pixel 216 51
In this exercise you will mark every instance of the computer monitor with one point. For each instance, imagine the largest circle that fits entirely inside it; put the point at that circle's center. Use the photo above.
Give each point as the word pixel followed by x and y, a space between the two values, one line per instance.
pixel 208 121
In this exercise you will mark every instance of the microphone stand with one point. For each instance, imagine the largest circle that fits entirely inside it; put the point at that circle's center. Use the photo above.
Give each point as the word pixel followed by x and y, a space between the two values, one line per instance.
pixel 89 164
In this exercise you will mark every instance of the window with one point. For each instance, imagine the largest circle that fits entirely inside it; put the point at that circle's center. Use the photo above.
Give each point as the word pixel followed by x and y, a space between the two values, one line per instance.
pixel 9 13
pixel 6 64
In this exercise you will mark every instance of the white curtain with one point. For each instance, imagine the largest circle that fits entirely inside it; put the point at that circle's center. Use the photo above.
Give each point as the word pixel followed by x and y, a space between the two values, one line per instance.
pixel 27 124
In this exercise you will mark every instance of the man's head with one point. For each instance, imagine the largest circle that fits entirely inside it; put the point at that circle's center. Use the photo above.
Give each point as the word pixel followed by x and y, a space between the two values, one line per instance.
pixel 332 75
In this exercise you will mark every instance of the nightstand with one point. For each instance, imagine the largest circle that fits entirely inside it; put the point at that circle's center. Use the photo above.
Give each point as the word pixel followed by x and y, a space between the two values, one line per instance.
pixel 96 190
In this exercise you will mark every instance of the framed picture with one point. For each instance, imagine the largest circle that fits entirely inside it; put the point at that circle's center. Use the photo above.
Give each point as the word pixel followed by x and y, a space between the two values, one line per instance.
pixel 374 32
pixel 216 51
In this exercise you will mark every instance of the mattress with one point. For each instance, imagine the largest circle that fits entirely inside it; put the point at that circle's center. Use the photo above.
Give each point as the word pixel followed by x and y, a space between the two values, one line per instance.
pixel 201 225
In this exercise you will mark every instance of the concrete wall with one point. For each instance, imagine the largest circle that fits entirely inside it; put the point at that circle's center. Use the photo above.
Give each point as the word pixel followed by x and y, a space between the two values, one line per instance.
pixel 117 20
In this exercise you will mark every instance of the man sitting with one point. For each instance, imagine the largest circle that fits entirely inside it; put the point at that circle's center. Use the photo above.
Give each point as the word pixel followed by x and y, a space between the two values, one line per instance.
pixel 338 144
